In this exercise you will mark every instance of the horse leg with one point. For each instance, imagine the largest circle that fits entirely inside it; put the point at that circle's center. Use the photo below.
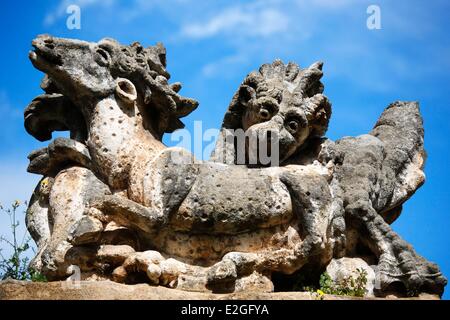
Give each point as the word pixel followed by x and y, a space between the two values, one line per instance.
pixel 397 260
pixel 129 213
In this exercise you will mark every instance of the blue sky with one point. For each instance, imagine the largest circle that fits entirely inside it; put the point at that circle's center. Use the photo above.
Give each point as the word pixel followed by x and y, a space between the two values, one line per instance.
pixel 212 45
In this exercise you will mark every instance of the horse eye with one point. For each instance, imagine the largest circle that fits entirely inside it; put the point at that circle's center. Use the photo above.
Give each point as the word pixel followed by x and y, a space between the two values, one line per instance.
pixel 293 125
pixel 102 57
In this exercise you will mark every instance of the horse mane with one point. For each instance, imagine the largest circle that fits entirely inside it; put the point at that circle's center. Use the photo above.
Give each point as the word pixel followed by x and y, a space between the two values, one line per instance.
pixel 146 68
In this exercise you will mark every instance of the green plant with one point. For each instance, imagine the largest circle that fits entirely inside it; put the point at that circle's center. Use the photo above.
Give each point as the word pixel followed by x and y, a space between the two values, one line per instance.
pixel 16 266
pixel 326 284
pixel 354 286
pixel 348 286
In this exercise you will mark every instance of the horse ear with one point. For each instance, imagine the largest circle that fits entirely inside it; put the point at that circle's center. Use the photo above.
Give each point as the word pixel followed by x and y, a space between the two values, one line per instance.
pixel 126 90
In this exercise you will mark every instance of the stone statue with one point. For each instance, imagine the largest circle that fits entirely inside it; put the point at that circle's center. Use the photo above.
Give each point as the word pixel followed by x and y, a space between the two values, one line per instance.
pixel 120 205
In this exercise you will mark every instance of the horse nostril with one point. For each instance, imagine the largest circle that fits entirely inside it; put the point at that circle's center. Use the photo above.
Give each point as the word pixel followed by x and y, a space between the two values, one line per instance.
pixel 48 43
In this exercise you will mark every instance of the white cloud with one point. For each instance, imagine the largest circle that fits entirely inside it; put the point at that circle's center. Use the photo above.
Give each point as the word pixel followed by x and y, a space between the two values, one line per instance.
pixel 239 21
pixel 138 8
pixel 213 68
pixel 60 10
pixel 329 4
pixel 333 30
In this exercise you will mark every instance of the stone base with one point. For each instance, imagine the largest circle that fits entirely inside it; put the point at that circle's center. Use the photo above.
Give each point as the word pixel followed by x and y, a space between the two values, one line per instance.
pixel 108 290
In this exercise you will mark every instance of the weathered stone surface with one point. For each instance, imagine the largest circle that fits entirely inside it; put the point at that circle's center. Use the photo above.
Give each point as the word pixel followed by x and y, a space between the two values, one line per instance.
pixel 71 190
pixel 60 153
pixel 108 290
pixel 114 254
pixel 376 173
pixel 342 268
pixel 118 204
pixel 278 98
pixel 87 230
pixel 53 112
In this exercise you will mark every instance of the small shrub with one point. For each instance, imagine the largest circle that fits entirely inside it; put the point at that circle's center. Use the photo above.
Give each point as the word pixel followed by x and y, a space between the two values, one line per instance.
pixel 16 266
pixel 349 286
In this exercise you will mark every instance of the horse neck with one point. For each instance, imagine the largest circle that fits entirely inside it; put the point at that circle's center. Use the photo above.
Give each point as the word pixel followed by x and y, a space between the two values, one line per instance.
pixel 117 140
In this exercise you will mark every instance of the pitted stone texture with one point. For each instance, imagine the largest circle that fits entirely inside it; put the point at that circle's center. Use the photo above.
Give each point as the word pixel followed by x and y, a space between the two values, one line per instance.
pixel 87 230
pixel 71 190
pixel 120 205
pixel 376 174
pixel 281 99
